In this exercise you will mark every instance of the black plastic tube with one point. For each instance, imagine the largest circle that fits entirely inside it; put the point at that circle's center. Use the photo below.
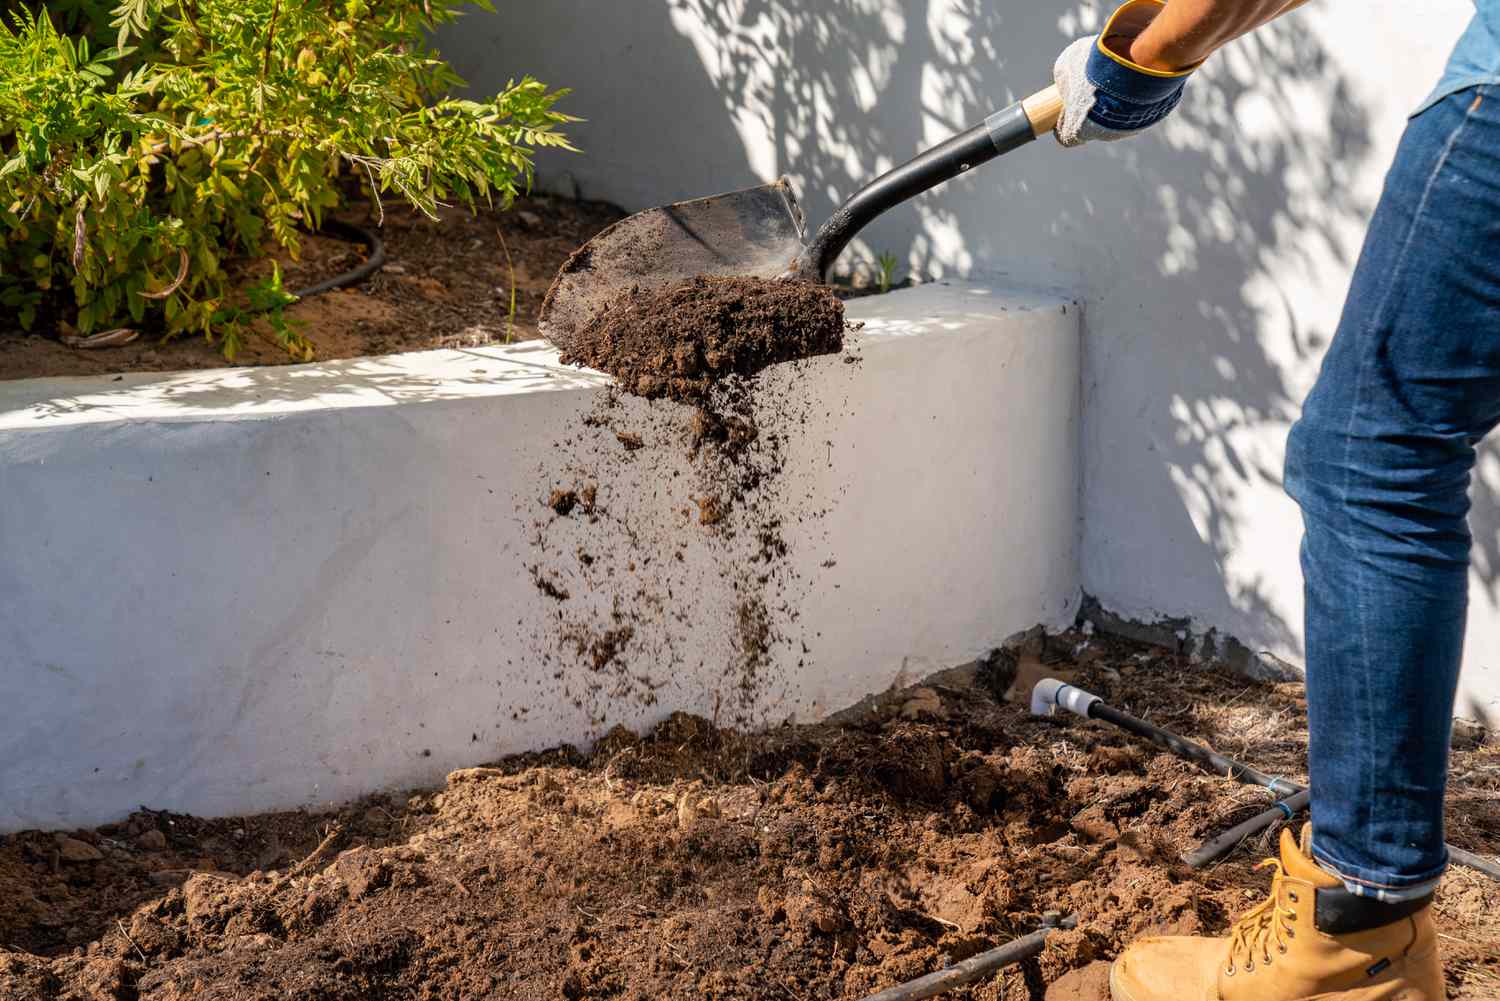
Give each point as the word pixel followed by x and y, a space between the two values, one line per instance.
pixel 1216 848
pixel 1184 748
pixel 1476 862
pixel 355 234
pixel 975 967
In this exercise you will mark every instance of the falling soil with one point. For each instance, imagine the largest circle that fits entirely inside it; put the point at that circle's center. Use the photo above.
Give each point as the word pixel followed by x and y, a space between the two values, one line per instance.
pixel 679 575
pixel 677 342
pixel 806 862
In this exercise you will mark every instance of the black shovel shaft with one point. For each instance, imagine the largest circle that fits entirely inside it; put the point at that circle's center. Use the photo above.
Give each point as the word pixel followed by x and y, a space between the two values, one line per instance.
pixel 998 134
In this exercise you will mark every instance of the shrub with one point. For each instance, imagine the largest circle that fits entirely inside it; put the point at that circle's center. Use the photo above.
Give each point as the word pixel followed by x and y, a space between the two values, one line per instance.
pixel 142 146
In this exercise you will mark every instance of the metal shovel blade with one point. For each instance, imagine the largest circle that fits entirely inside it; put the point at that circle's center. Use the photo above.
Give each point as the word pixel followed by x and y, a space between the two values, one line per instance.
pixel 757 232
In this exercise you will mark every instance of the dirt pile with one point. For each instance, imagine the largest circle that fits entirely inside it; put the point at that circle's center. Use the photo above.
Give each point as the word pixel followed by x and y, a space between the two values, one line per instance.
pixel 678 342
pixel 818 862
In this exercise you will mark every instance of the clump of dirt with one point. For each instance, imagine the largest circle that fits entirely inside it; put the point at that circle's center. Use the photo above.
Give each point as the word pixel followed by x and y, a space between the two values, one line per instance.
pixel 548 586
pixel 601 649
pixel 698 862
pixel 725 430
pixel 678 342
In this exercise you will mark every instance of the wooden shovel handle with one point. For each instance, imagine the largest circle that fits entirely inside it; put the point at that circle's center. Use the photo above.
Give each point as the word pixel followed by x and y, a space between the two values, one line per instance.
pixel 1043 109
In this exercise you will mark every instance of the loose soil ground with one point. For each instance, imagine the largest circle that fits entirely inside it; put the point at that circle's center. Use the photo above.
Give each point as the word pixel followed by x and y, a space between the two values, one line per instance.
pixel 447 284
pixel 803 863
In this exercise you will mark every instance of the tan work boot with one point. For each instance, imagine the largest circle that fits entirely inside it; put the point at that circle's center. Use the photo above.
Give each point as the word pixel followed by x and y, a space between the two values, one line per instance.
pixel 1312 940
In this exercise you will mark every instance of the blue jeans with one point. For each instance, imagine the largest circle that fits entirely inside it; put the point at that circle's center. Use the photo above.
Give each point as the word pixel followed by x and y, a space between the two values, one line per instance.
pixel 1380 463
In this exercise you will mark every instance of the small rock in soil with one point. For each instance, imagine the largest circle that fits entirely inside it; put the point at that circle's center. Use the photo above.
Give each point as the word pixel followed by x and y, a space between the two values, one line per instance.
pixel 73 850
pixel 923 702
pixel 152 841
pixel 1091 983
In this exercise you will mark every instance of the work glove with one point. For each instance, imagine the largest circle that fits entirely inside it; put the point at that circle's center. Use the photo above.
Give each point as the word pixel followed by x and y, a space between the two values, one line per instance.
pixel 1105 95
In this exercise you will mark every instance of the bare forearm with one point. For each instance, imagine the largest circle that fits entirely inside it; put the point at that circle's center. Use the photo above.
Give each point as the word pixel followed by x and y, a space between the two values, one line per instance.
pixel 1188 31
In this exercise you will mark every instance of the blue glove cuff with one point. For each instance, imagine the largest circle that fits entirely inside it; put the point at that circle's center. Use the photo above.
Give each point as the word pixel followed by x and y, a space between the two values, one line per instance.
pixel 1129 98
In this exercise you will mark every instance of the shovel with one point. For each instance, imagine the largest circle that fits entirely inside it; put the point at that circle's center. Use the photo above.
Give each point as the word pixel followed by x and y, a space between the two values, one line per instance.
pixel 760 232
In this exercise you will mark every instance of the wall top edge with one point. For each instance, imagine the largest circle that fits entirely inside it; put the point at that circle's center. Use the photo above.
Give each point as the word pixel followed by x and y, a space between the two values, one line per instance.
pixel 450 374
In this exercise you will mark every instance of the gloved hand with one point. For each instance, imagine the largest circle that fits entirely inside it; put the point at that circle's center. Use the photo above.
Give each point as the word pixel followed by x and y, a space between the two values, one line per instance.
pixel 1105 95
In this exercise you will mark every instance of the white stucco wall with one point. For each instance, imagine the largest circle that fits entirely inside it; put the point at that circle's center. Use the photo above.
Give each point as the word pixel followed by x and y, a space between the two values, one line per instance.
pixel 232 591
pixel 1212 254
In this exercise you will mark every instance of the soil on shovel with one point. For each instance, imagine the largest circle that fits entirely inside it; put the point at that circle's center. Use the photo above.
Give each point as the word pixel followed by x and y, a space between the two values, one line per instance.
pixel 807 862
pixel 679 341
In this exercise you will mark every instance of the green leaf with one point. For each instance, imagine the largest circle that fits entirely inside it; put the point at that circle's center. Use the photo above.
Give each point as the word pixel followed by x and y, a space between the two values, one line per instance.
pixel 196 123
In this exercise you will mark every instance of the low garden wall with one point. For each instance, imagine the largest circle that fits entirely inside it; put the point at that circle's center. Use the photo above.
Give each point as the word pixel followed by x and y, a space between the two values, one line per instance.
pixel 246 589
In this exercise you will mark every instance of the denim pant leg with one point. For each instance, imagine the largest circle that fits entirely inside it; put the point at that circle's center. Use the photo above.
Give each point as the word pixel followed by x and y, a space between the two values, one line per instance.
pixel 1380 463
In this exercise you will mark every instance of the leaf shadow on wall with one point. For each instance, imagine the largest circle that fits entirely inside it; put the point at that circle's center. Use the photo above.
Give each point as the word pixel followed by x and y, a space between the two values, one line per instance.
pixel 1211 254
pixel 1188 245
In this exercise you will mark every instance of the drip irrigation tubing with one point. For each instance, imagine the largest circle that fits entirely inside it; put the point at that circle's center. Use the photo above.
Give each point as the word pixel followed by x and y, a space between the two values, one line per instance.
pixel 1050 693
pixel 354 234
pixel 1216 848
pixel 1476 862
pixel 1184 748
pixel 955 976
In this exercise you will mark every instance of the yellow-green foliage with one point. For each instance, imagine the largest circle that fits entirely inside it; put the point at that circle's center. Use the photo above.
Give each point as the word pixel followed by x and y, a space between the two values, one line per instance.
pixel 142 145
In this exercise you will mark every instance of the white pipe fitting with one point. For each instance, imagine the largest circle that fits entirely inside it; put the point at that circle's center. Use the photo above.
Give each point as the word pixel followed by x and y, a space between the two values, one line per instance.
pixel 1050 693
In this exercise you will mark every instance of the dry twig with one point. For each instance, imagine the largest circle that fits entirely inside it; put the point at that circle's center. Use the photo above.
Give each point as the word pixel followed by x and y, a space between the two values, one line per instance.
pixel 325 852
pixel 182 273
pixel 121 925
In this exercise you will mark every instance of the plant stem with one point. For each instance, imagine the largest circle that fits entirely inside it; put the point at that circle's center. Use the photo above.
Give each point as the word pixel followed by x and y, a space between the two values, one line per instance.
pixel 186 6
pixel 270 37
pixel 510 319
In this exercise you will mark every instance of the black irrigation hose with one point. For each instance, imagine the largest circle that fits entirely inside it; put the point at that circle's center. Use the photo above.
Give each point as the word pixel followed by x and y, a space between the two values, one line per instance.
pixel 1050 693
pixel 1216 848
pixel 1296 797
pixel 1184 748
pixel 354 234
pixel 1476 862
pixel 975 967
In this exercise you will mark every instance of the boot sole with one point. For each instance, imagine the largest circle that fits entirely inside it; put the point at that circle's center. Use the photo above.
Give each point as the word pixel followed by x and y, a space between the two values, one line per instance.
pixel 1119 993
pixel 1116 992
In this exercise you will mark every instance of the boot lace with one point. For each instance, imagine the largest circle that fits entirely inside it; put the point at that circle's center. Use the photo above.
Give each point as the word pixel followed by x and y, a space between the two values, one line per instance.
pixel 1261 927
